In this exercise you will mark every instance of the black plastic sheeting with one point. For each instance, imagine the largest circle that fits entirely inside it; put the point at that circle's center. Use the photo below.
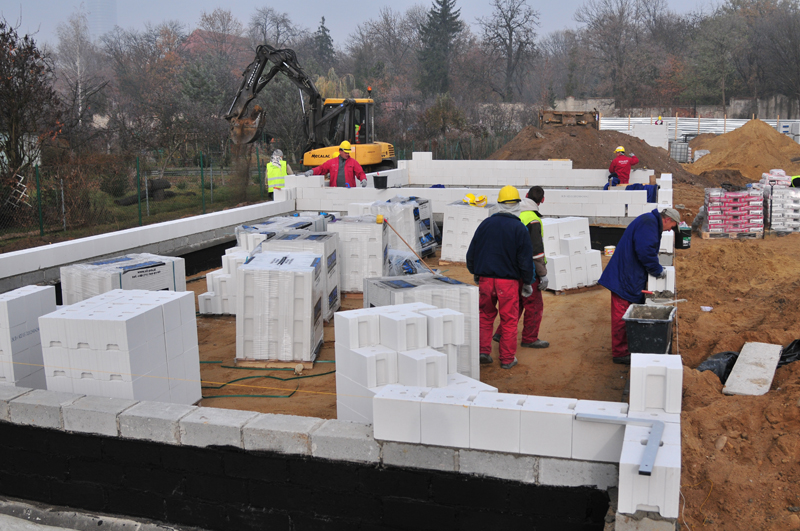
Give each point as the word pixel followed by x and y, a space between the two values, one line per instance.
pixel 722 363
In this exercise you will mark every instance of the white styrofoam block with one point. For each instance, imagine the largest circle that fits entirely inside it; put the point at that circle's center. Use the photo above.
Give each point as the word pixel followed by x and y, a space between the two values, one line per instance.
pixel 397 414
pixel 372 366
pixel 546 426
pixel 665 198
pixel 656 382
pixel 667 242
pixel 423 367
pixel 403 331
pixel 494 422
pixel 357 328
pixel 662 284
pixel 559 272
pixel 445 418
pixel 670 435
pixel 596 441
pixel 355 396
pixel 660 491
pixel 451 351
pixel 655 414
pixel 574 245
pixel 578 270
pixel 445 327
pixel 594 265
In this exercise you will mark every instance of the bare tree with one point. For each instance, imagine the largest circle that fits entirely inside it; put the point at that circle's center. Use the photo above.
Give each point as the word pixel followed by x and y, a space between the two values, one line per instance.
pixel 268 26
pixel 221 32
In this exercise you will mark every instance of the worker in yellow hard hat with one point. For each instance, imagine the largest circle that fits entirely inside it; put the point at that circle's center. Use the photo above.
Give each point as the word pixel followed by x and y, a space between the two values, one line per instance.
pixel 500 257
pixel 659 121
pixel 621 165
pixel 343 170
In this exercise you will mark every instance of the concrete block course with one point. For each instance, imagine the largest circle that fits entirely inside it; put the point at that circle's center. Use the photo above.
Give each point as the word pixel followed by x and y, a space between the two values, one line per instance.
pixel 286 434
pixel 154 421
pixel 209 426
pixel 521 468
pixel 40 408
pixel 95 414
pixel 419 456
pixel 574 473
pixel 7 394
pixel 345 441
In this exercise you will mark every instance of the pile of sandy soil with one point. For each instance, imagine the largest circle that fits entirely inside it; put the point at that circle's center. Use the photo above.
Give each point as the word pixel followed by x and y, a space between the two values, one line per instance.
pixel 750 150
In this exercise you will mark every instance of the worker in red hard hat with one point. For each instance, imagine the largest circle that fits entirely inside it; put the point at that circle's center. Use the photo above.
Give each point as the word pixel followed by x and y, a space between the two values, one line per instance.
pixel 343 169
pixel 622 164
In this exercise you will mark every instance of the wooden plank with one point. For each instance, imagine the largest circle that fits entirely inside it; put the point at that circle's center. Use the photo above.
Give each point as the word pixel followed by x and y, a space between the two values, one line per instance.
pixel 754 370
pixel 732 236
pixel 448 263
pixel 272 364
pixel 353 295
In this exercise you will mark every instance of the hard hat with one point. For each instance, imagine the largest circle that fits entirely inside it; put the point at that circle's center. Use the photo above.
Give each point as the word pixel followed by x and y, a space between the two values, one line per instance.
pixel 620 149
pixel 659 117
pixel 480 201
pixel 508 194
pixel 345 146
pixel 469 199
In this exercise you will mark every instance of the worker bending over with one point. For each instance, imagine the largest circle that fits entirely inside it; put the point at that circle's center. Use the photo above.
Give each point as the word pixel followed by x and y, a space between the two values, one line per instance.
pixel 625 275
pixel 343 170
pixel 621 165
pixel 501 258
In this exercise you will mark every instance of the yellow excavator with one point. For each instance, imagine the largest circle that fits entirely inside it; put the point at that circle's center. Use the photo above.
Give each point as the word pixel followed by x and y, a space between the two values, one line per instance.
pixel 327 123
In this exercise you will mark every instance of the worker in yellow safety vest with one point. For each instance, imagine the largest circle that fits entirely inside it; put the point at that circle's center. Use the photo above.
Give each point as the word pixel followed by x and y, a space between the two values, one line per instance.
pixel 277 170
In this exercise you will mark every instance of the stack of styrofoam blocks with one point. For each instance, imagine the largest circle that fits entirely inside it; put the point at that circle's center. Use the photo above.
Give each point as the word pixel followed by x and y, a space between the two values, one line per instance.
pixel 21 361
pixel 662 284
pixel 279 307
pixel 363 250
pixel 139 345
pixel 376 347
pixel 441 292
pixel 320 243
pixel 221 295
pixel 784 211
pixel 134 271
pixel 249 236
pixel 656 387
pixel 615 203
pixel 398 211
pixel 571 261
pixel 307 220
pixel 460 223
pixel 734 212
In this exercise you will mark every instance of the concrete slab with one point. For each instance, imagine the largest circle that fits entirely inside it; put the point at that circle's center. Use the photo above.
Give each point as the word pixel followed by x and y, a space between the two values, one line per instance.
pixel 153 421
pixel 419 456
pixel 7 394
pixel 345 441
pixel 644 521
pixel 573 473
pixel 40 408
pixel 286 434
pixel 521 468
pixel 210 426
pixel 754 370
pixel 95 414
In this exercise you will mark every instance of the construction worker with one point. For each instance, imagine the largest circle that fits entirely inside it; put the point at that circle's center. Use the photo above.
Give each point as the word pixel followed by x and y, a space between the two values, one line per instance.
pixel 500 257
pixel 277 170
pixel 343 170
pixel 659 121
pixel 621 165
pixel 625 276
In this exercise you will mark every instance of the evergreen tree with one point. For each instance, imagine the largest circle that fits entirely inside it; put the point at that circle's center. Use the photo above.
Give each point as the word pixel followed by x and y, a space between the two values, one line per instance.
pixel 323 47
pixel 438 35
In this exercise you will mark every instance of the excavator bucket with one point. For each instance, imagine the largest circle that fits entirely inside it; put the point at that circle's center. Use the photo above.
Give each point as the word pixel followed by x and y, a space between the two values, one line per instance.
pixel 248 130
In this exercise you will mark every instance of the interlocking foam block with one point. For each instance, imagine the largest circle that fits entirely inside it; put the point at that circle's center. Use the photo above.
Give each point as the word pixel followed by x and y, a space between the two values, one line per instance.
pixel 445 418
pixel 595 441
pixel 559 272
pixel 423 367
pixel 445 327
pixel 546 426
pixel 578 271
pixel 662 284
pixel 574 245
pixel 494 422
pixel 372 366
pixel 357 328
pixel 403 331
pixel 660 491
pixel 656 382
pixel 397 413
pixel 667 242
pixel 594 266
pixel 355 396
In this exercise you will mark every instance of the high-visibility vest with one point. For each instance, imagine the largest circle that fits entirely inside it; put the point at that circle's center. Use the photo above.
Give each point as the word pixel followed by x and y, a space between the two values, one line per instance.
pixel 275 175
pixel 529 215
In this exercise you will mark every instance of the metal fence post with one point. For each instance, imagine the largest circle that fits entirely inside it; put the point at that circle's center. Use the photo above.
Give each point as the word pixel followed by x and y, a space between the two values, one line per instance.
pixel 139 190
pixel 202 183
pixel 39 201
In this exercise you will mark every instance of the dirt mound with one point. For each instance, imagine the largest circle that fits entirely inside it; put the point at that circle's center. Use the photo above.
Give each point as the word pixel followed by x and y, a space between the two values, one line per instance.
pixel 588 149
pixel 752 149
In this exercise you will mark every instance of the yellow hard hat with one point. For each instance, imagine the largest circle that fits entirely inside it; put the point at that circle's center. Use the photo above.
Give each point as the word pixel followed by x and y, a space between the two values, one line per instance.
pixel 469 199
pixel 480 201
pixel 508 194
pixel 659 117
pixel 620 149
pixel 345 146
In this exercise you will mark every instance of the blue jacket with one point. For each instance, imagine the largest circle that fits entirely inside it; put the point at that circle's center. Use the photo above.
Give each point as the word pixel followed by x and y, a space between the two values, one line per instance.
pixel 501 248
pixel 636 255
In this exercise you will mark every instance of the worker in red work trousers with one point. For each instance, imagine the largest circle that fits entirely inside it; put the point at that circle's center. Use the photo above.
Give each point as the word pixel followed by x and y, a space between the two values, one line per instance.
pixel 343 169
pixel 621 165
pixel 500 257
pixel 531 308
pixel 625 275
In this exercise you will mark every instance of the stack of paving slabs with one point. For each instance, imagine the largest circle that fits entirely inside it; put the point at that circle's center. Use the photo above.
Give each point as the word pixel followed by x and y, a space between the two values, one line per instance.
pixel 571 261
pixel 734 213
pixel 461 220
pixel 21 362
pixel 363 250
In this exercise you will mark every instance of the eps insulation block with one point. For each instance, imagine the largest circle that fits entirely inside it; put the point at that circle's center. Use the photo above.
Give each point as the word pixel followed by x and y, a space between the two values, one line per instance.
pixel 445 418
pixel 397 413
pixel 656 382
pixel 598 441
pixel 546 426
pixel 660 491
pixel 364 250
pixel 494 422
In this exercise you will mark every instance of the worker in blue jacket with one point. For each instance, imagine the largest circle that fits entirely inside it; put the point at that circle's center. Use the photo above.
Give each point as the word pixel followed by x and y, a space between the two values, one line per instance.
pixel 500 256
pixel 625 276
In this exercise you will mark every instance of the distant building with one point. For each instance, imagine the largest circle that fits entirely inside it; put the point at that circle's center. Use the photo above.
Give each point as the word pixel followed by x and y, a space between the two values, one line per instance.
pixel 102 17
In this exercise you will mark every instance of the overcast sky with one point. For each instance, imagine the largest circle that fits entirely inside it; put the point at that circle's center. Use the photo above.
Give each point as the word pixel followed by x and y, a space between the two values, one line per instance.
pixel 340 16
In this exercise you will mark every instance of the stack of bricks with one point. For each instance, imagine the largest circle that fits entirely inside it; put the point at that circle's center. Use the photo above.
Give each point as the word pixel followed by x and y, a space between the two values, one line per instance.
pixel 134 344
pixel 460 223
pixel 571 261
pixel 279 307
pixel 21 361
pixel 734 213
pixel 363 250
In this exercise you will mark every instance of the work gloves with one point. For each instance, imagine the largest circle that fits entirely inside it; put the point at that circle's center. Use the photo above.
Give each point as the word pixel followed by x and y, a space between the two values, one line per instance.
pixel 543 283
pixel 363 183
pixel 527 290
pixel 309 173
pixel 663 274
pixel 631 155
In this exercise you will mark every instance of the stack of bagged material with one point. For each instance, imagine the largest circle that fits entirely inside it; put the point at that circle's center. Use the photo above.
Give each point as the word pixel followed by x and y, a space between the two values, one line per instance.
pixel 775 178
pixel 323 244
pixel 438 291
pixel 279 307
pixel 734 212
pixel 21 362
pixel 460 223
pixel 363 250
pixel 571 261
pixel 134 271
pixel 784 212
pixel 139 345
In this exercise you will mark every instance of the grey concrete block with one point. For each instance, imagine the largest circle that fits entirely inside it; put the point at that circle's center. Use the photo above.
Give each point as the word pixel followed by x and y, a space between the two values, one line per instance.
pixel 153 421
pixel 345 441
pixel 286 434
pixel 420 456
pixel 95 414
pixel 754 369
pixel 210 426
pixel 523 468
pixel 40 408
pixel 573 473
pixel 7 394
pixel 644 521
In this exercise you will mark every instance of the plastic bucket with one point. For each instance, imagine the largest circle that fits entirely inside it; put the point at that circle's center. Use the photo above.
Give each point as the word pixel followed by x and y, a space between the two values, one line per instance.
pixel 649 328
pixel 608 250
pixel 380 181
pixel 683 237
